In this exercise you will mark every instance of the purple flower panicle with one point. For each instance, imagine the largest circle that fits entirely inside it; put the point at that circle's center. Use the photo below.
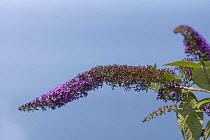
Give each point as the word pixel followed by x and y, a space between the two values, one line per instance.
pixel 129 77
pixel 195 44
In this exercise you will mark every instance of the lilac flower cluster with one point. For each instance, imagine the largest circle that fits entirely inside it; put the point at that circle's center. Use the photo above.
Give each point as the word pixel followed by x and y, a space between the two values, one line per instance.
pixel 194 43
pixel 129 77
pixel 62 94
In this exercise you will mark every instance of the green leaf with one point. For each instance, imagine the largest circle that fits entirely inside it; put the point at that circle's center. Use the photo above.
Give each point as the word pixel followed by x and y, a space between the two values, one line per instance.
pixel 134 72
pixel 155 67
pixel 207 131
pixel 179 77
pixel 168 76
pixel 155 86
pixel 188 104
pixel 206 63
pixel 190 122
pixel 192 126
pixel 184 64
pixel 203 102
pixel 201 77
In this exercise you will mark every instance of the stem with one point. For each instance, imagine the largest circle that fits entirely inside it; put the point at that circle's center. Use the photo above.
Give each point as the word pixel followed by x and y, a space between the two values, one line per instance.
pixel 193 89
pixel 193 109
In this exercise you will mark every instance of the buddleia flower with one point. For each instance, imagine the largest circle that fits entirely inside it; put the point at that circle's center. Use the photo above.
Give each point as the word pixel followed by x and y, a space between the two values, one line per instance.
pixel 195 44
pixel 137 78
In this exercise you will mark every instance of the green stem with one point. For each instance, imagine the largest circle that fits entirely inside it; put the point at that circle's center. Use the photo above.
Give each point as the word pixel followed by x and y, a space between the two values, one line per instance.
pixel 191 110
pixel 193 89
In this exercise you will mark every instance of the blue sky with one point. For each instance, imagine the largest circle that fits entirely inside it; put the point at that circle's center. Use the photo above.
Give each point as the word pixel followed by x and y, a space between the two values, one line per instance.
pixel 45 43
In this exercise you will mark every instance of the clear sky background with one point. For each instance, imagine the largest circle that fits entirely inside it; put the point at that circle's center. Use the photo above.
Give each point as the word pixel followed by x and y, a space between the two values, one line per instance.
pixel 46 42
